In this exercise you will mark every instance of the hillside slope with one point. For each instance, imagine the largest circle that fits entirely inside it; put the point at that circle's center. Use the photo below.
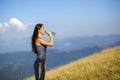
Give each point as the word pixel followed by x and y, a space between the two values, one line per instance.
pixel 101 66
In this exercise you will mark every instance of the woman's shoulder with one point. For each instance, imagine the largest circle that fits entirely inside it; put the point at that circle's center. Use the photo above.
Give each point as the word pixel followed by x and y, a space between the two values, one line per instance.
pixel 37 42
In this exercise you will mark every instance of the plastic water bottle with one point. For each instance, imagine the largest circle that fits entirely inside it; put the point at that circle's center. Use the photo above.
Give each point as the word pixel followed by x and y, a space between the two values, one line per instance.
pixel 53 33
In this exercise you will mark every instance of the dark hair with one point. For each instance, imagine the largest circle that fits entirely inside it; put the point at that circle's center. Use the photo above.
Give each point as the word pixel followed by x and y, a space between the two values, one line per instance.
pixel 35 36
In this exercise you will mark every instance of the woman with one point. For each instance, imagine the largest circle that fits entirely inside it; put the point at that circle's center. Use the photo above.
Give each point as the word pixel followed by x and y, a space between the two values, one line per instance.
pixel 39 46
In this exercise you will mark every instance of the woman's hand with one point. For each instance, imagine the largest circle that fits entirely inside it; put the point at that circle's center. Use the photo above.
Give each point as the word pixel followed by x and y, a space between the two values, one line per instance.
pixel 49 33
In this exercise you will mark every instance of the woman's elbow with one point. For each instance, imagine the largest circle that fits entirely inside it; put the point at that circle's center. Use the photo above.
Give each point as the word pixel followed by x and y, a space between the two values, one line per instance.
pixel 51 44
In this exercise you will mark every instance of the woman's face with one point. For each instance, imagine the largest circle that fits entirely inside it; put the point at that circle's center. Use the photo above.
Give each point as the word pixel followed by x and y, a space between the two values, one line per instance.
pixel 41 30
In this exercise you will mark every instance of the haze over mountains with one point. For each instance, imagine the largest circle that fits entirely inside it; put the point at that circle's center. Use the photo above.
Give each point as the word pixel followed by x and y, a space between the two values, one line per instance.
pixel 18 44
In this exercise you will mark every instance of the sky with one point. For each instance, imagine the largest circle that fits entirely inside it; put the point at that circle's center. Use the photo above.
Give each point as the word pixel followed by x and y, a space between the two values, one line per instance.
pixel 68 18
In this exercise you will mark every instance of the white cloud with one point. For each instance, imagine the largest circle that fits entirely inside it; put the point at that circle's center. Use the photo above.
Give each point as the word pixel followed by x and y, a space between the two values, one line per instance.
pixel 2 30
pixel 0 25
pixel 6 25
pixel 14 22
pixel 17 23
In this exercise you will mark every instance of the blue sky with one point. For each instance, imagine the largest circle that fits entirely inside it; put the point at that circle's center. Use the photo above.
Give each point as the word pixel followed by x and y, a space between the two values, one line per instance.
pixel 68 18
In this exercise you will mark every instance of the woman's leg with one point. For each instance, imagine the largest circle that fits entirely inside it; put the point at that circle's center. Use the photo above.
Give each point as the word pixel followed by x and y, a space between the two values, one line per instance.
pixel 38 69
pixel 42 72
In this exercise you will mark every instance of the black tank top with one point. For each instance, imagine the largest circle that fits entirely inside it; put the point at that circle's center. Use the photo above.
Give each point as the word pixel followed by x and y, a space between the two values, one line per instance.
pixel 41 52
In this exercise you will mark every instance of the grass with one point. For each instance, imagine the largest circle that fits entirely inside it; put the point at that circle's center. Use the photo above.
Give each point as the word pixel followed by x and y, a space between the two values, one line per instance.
pixel 101 66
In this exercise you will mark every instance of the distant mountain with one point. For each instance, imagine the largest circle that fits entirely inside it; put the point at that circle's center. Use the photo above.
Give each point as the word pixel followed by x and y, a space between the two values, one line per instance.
pixel 87 41
pixel 24 44
pixel 21 63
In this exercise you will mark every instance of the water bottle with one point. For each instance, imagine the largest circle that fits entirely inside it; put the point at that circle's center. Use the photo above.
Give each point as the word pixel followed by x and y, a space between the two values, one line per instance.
pixel 53 33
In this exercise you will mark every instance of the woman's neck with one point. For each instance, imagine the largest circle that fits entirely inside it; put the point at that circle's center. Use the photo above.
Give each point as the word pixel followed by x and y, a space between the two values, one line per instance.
pixel 39 35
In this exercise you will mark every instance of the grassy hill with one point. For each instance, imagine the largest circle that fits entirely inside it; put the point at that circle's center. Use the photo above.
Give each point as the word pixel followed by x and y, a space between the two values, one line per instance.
pixel 101 66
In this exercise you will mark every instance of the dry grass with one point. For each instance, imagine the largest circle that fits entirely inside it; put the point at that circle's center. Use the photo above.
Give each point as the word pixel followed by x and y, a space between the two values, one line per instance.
pixel 102 66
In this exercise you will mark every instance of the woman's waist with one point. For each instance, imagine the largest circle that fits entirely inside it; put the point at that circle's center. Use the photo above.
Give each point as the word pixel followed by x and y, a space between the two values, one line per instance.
pixel 41 48
pixel 40 60
pixel 41 55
